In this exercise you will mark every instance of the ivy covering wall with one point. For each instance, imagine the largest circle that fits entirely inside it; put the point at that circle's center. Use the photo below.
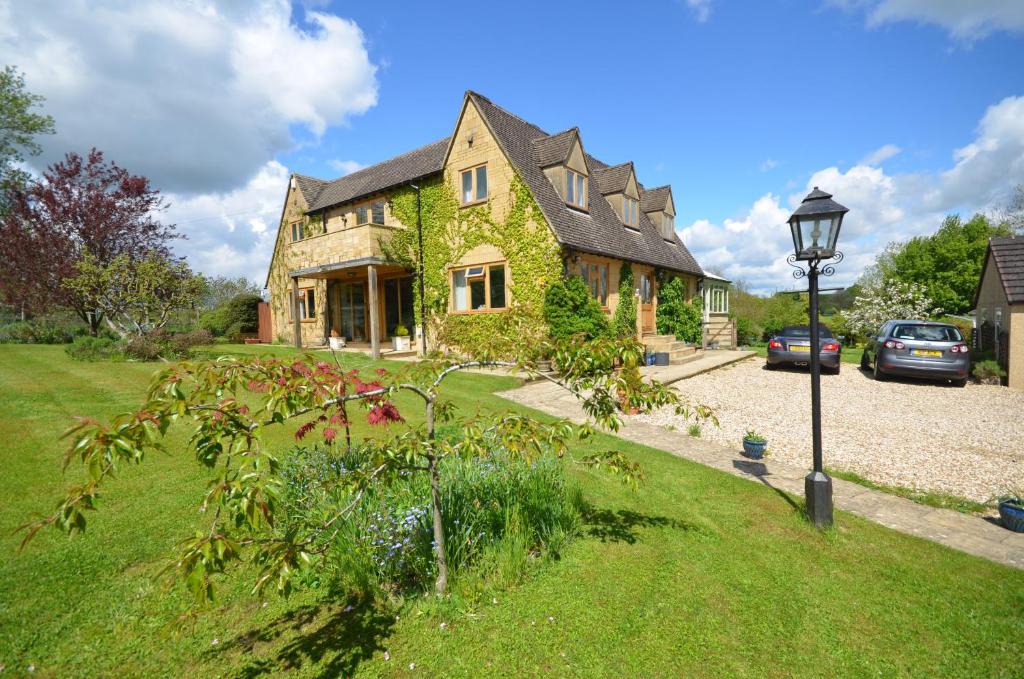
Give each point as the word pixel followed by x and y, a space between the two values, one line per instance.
pixel 449 232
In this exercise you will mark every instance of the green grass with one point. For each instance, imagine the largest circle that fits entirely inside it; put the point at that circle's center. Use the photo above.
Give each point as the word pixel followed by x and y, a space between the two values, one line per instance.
pixel 697 573
pixel 930 498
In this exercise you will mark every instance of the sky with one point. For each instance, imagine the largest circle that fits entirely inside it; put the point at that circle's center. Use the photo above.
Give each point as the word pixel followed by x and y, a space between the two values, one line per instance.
pixel 905 110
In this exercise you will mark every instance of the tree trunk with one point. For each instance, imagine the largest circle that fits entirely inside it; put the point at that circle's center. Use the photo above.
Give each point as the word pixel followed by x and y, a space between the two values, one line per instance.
pixel 440 555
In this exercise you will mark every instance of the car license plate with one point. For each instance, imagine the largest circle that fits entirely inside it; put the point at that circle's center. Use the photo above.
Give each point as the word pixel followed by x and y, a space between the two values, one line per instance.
pixel 926 352
pixel 800 348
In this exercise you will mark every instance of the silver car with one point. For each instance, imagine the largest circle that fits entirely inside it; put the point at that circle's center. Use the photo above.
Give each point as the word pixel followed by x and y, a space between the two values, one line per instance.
pixel 792 346
pixel 918 349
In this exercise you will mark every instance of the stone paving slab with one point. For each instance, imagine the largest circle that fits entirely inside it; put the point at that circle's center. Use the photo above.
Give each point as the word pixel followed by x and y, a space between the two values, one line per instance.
pixel 710 360
pixel 972 534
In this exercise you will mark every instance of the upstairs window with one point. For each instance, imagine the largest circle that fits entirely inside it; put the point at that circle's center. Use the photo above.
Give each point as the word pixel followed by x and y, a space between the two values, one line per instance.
pixel 575 189
pixel 297 231
pixel 474 184
pixel 370 213
pixel 479 288
pixel 630 211
pixel 668 225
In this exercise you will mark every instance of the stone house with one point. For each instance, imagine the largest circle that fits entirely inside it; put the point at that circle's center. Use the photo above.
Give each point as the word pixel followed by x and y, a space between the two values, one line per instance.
pixel 999 306
pixel 505 209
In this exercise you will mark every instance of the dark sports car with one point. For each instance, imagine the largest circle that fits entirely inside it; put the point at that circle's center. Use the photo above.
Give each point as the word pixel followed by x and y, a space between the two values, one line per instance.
pixel 792 346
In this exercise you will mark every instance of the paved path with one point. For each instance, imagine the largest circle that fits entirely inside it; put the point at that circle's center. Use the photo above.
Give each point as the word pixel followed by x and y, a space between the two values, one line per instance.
pixel 701 362
pixel 971 534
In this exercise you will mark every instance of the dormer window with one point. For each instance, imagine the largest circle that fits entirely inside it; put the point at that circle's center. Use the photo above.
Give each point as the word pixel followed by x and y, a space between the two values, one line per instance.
pixel 668 226
pixel 630 211
pixel 575 189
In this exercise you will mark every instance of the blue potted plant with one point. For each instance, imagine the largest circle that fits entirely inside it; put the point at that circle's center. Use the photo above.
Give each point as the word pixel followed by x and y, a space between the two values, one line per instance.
pixel 754 445
pixel 1011 511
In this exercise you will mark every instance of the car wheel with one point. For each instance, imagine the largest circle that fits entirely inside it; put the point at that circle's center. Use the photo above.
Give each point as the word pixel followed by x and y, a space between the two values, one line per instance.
pixel 960 383
pixel 879 375
pixel 865 364
pixel 770 366
pixel 835 370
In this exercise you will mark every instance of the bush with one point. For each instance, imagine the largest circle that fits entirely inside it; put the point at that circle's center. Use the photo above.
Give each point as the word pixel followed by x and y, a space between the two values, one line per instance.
pixel 746 331
pixel 625 313
pixel 181 344
pixel 237 316
pixel 570 310
pixel 988 371
pixel 675 316
pixel 41 331
pixel 88 348
pixel 497 512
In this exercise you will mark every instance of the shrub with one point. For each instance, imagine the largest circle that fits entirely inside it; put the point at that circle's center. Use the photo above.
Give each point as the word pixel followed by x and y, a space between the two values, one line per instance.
pixel 492 506
pixel 746 331
pixel 675 316
pixel 88 348
pixel 147 347
pixel 181 344
pixel 625 313
pixel 41 331
pixel 238 315
pixel 988 371
pixel 570 310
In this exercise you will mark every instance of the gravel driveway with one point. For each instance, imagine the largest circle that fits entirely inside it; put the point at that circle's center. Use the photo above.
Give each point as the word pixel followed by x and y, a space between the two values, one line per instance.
pixel 915 434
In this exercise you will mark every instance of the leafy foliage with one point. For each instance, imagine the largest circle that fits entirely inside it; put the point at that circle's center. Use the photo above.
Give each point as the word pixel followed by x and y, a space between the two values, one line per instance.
pixel 89 348
pixel 218 290
pixel 988 370
pixel 783 309
pixel 882 301
pixel 675 315
pixel 19 127
pixel 135 296
pixel 236 315
pixel 625 313
pixel 233 402
pixel 40 331
pixel 570 310
pixel 80 205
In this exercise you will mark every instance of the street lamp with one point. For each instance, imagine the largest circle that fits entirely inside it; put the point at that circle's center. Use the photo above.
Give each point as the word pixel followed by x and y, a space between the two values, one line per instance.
pixel 815 228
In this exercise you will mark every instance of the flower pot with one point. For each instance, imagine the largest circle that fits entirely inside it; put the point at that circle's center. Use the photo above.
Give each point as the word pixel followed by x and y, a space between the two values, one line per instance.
pixel 1012 516
pixel 336 343
pixel 544 365
pixel 754 449
pixel 400 343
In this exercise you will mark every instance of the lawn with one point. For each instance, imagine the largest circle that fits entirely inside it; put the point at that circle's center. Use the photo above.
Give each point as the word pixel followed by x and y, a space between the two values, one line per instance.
pixel 697 573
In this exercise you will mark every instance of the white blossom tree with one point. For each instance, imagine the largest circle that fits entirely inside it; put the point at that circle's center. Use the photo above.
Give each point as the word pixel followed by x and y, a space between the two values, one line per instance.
pixel 885 300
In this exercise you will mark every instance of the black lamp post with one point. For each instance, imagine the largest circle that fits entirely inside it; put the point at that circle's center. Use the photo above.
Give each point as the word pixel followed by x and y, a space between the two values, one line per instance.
pixel 815 226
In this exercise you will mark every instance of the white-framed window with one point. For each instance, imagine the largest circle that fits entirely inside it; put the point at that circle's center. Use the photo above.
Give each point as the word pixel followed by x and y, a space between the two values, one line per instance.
pixel 307 305
pixel 474 184
pixel 718 300
pixel 630 211
pixel 575 188
pixel 479 288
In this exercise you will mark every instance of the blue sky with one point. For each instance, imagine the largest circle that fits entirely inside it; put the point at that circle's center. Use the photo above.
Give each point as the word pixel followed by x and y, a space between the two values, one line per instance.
pixel 905 109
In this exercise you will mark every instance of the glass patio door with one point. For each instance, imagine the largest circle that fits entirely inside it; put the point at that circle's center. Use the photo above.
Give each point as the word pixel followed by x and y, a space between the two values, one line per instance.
pixel 398 305
pixel 353 311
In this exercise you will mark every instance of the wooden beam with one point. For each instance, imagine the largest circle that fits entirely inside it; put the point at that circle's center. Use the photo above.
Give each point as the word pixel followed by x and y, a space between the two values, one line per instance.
pixel 296 321
pixel 371 271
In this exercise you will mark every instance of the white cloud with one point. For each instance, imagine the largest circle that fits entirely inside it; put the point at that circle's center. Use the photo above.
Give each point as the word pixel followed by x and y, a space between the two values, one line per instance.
pixel 196 95
pixel 883 207
pixel 880 155
pixel 344 167
pixel 232 233
pixel 966 20
pixel 701 9
pixel 769 164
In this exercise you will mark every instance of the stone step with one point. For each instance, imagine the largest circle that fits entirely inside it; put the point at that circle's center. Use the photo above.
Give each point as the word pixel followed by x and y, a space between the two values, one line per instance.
pixel 652 338
pixel 672 345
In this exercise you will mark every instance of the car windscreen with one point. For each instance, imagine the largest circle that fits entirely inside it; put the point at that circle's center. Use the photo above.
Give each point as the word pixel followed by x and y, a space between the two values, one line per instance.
pixel 800 331
pixel 928 333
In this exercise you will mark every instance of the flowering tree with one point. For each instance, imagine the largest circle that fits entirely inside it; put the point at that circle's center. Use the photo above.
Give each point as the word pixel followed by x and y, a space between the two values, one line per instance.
pixel 233 403
pixel 883 300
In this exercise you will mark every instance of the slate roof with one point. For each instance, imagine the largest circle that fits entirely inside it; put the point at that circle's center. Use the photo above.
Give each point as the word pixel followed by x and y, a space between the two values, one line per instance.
pixel 309 187
pixel 529 148
pixel 655 200
pixel 612 179
pixel 1008 255
pixel 407 167
pixel 599 232
pixel 554 149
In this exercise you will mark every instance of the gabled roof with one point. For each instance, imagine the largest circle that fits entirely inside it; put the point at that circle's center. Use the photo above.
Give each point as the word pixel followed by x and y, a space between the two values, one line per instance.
pixel 1008 255
pixel 656 199
pixel 407 167
pixel 309 187
pixel 554 150
pixel 600 231
pixel 613 179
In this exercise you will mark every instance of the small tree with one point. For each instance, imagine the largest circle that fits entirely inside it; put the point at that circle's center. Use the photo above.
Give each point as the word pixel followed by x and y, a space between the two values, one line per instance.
pixel 569 310
pixel 885 300
pixel 235 402
pixel 135 297
pixel 19 126
pixel 625 313
pixel 239 314
pixel 676 316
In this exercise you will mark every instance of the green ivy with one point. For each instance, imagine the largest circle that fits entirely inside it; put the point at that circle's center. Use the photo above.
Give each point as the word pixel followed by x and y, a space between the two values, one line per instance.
pixel 449 232
pixel 675 316
pixel 625 312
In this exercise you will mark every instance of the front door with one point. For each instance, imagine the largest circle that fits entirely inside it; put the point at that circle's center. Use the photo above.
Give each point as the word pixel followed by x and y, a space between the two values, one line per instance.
pixel 352 306
pixel 646 303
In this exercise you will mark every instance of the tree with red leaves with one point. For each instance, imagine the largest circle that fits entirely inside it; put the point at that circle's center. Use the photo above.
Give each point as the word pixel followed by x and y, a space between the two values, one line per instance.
pixel 80 205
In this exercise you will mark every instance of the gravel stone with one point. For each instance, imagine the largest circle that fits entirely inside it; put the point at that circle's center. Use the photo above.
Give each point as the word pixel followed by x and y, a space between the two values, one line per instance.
pixel 916 434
